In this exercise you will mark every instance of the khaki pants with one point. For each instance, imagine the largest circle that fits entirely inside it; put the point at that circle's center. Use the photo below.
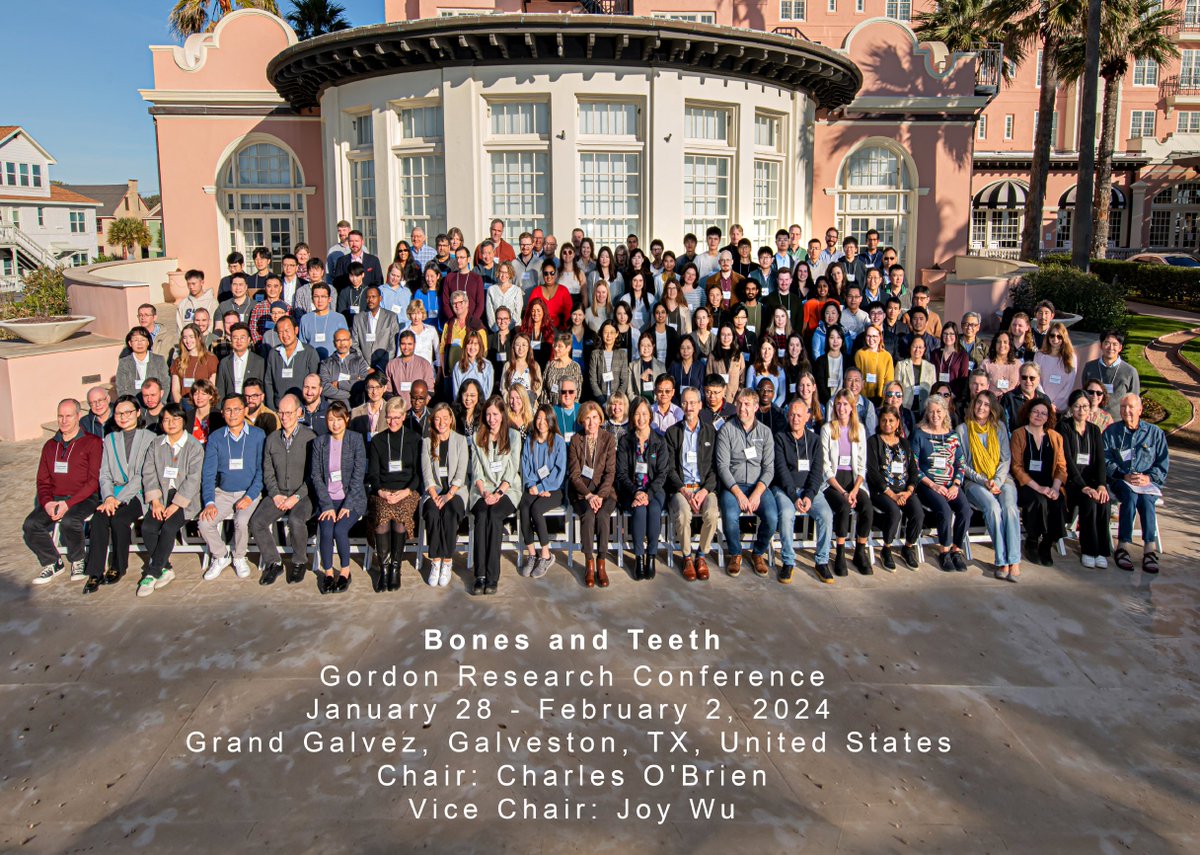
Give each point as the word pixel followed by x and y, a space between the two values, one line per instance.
pixel 211 531
pixel 681 519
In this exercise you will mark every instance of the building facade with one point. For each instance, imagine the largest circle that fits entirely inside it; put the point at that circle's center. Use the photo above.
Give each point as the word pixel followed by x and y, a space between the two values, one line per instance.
pixel 658 118
pixel 41 223
pixel 118 201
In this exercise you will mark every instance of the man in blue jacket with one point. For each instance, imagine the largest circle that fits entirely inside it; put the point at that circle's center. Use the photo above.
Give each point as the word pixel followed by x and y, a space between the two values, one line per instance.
pixel 230 486
pixel 799 489
pixel 1136 455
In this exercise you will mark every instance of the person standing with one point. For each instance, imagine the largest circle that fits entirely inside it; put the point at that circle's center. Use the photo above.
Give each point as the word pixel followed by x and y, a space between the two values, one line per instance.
pixel 338 472
pixel 468 282
pixel 231 488
pixel 641 475
pixel 344 371
pixel 99 419
pixel 495 490
pixel 68 481
pixel 140 364
pixel 286 456
pixel 692 484
pixel 241 364
pixel 121 497
pixel 318 327
pixel 745 468
pixel 289 363
pixel 1117 376
pixel 375 330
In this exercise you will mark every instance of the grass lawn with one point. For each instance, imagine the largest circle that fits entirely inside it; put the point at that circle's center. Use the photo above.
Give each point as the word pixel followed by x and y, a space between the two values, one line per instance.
pixel 1191 352
pixel 1142 331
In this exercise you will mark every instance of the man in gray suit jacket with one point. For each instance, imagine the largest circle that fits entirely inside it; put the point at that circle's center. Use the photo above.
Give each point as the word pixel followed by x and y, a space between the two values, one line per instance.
pixel 286 456
pixel 240 365
pixel 343 371
pixel 375 332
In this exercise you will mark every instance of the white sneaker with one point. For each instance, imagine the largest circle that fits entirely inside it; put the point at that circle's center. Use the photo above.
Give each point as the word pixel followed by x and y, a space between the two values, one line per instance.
pixel 146 586
pixel 48 573
pixel 77 571
pixel 444 579
pixel 1089 561
pixel 216 565
pixel 165 579
pixel 1101 562
pixel 242 568
pixel 435 572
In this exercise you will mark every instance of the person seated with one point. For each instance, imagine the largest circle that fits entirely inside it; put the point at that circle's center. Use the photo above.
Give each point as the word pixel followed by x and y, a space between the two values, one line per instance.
pixel 892 478
pixel 642 466
pixel 692 484
pixel 495 478
pixel 1137 459
pixel 591 467
pixel 394 485
pixel 799 488
pixel 987 462
pixel 444 459
pixel 1039 466
pixel 745 469
pixel 231 488
pixel 939 455
pixel 338 472
pixel 1087 480
pixel 286 456
pixel 844 446
pixel 543 472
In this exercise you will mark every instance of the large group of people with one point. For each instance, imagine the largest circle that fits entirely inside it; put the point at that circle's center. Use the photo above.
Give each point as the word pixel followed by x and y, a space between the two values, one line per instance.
pixel 722 390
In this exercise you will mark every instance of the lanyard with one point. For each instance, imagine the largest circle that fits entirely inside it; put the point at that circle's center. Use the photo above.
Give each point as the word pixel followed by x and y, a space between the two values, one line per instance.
pixel 241 441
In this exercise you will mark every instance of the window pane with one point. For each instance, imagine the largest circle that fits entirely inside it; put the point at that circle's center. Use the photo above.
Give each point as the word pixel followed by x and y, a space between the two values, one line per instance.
pixel 766 201
pixel 420 123
pixel 609 196
pixel 705 193
pixel 364 130
pixel 363 198
pixel 513 118
pixel 875 167
pixel 707 124
pixel 520 190
pixel 766 131
pixel 264 165
pixel 601 118
pixel 422 194
pixel 792 10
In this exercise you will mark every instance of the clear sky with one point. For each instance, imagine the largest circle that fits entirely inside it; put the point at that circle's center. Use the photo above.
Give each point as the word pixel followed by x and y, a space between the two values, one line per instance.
pixel 72 71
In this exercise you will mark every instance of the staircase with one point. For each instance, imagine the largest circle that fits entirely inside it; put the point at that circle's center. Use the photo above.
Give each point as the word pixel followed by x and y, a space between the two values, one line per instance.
pixel 35 254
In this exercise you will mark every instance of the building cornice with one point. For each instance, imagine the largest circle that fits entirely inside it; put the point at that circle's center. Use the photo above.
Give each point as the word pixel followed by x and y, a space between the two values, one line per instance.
pixel 302 72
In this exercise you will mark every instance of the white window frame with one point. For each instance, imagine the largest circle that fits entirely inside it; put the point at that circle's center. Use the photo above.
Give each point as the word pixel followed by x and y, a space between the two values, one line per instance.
pixel 860 6
pixel 1175 217
pixel 687 17
pixel 1145 72
pixel 1138 127
pixel 793 10
pixel 424 148
pixel 78 222
pixel 769 156
pixel 362 127
pixel 996 228
pixel 1009 122
pixel 831 7
pixel 704 151
pixel 889 201
pixel 981 128
pixel 898 10
pixel 519 145
pixel 1189 68
pixel 41 216
pixel 258 213
pixel 1188 122
pixel 364 205
pixel 606 222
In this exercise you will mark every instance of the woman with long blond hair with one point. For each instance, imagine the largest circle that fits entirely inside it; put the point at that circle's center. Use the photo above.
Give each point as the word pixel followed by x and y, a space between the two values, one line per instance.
pixel 844 442
pixel 1056 359
pixel 444 458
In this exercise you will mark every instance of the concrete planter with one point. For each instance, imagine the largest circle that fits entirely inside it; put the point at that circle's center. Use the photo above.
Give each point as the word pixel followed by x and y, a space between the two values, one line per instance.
pixel 46 332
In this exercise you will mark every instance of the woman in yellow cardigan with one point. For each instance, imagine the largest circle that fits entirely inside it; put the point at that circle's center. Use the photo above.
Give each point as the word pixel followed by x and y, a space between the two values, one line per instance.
pixel 875 363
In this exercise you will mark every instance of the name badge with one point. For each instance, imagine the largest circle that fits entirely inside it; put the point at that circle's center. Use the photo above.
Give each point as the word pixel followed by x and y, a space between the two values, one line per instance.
pixel 671 325
pixel 336 477
pixel 137 384
pixel 647 385
pixel 170 472
pixel 725 294
pixel 188 381
pixel 897 467
pixel 536 345
pixel 751 452
pixel 286 374
pixel 871 378
pixel 750 328
pixel 689 457
pixel 354 310
pixel 370 336
pixel 1127 454
pixel 1002 383
pixel 502 356
pixel 832 382
pixel 497 465
pixel 1035 466
pixel 725 377
pixel 1056 379
pixel 851 276
pixel 543 472
pixel 803 464
pixel 607 376
pixel 577 353
pixel 395 466
pixel 443 471
pixel 586 472
pixel 553 388
pixel 405 385
pixel 61 467
pixel 641 468
pixel 782 351
pixel 342 377
pixel 568 436
pixel 970 364
pixel 1082 459
pixel 944 377
pixel 718 423
pixel 319 337
pixel 1108 387
pixel 939 461
pixel 843 460
pixel 792 388
pixel 235 464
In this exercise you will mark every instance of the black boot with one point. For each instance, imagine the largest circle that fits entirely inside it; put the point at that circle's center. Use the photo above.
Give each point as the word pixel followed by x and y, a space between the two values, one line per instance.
pixel 885 556
pixel 648 573
pixel 384 546
pixel 639 571
pixel 839 560
pixel 398 544
pixel 862 559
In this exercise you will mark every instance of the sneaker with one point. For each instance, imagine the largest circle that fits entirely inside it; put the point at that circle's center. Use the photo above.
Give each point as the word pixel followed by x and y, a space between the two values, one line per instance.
pixel 242 568
pixel 165 579
pixel 540 567
pixel 48 573
pixel 959 559
pixel 785 574
pixel 824 574
pixel 444 576
pixel 146 587
pixel 908 554
pixel 885 557
pixel 435 572
pixel 216 565
pixel 77 571
pixel 528 562
pixel 1088 561
pixel 1101 562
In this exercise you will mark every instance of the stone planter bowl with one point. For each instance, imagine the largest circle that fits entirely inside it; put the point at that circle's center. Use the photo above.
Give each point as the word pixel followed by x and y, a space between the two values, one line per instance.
pixel 48 332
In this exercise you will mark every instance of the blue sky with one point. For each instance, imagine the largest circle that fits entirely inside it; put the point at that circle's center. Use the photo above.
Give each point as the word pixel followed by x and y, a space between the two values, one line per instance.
pixel 85 62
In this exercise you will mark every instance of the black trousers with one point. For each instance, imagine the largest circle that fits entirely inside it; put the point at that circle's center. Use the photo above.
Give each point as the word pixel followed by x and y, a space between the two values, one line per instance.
pixel 595 527
pixel 889 515
pixel 840 506
pixel 39 532
pixel 1040 516
pixel 262 529
pixel 117 529
pixel 159 539
pixel 441 526
pixel 489 531
pixel 533 516
pixel 1094 535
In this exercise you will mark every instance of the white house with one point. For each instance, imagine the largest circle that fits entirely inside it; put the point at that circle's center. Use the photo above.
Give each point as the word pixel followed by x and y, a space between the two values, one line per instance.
pixel 40 223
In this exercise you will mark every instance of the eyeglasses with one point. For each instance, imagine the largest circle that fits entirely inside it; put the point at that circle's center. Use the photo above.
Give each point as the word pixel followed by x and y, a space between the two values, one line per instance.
pixel 547 273
pixel 566 392
pixel 395 418
pixel 1029 379
pixel 1093 393
pixel 1055 337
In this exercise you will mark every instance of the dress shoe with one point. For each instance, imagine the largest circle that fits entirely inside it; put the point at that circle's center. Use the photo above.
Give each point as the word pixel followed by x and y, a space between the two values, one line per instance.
pixel 885 556
pixel 639 568
pixel 326 583
pixel 862 560
pixel 270 573
pixel 92 585
pixel 601 573
pixel 824 574
pixel 111 576
pixel 589 574
pixel 1044 557
pixel 689 569
pixel 477 589
pixel 760 565
pixel 734 567
pixel 296 575
pixel 343 583
pixel 839 561
pixel 959 559
pixel 649 570
pixel 701 569
pixel 908 554
pixel 490 588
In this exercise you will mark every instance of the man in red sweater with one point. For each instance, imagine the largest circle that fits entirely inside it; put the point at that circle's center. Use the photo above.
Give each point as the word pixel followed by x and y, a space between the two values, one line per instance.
pixel 68 491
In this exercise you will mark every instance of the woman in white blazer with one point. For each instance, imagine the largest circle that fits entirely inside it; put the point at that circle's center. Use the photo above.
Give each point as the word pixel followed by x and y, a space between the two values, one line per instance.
pixel 495 490
pixel 844 442
pixel 444 461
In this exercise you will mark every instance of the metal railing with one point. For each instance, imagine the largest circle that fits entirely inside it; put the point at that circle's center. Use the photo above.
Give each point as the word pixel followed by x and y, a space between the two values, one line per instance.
pixel 791 32
pixel 989 69
pixel 13 236
pixel 607 7
pixel 1113 253
pixel 1176 86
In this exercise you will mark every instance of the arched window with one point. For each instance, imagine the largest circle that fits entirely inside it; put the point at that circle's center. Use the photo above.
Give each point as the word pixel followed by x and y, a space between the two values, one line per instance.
pixel 875 191
pixel 1066 217
pixel 1175 218
pixel 262 198
pixel 997 214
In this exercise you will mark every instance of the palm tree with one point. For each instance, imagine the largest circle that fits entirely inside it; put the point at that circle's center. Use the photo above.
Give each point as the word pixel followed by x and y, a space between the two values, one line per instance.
pixel 1130 30
pixel 964 25
pixel 200 16
pixel 311 18
pixel 128 232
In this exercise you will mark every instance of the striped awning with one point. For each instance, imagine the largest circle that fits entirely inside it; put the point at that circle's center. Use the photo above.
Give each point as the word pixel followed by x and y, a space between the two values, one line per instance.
pixel 1116 199
pixel 1003 195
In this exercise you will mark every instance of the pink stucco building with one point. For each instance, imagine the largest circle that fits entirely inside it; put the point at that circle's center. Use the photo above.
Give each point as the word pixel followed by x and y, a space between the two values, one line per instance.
pixel 657 122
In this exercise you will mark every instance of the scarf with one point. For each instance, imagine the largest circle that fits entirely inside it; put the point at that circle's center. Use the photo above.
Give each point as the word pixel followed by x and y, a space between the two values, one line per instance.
pixel 985 457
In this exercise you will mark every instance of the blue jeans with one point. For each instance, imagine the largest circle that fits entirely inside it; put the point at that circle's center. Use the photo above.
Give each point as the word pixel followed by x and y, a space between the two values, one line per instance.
pixel 337 532
pixel 950 517
pixel 1001 517
pixel 731 521
pixel 1130 503
pixel 645 525
pixel 819 513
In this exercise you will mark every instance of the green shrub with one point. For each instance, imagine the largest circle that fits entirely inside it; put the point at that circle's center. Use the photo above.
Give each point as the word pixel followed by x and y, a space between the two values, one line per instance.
pixel 1100 303
pixel 1158 282
pixel 44 295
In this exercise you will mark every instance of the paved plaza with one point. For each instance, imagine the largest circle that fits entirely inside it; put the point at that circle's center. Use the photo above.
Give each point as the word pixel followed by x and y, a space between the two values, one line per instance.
pixel 1069 702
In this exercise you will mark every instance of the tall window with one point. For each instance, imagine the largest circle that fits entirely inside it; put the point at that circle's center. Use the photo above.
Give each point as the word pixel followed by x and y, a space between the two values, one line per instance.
pixel 23 168
pixel 421 170
pixel 1145 72
pixel 707 167
pixel 78 222
pixel 768 178
pixel 10 173
pixel 41 216
pixel 792 10
pixel 362 195
pixel 1189 69
pixel 901 10
pixel 996 229
pixel 1175 218
pixel 1189 122
pixel 1141 123
pixel 262 194
pixel 37 175
pixel 1191 15
pixel 364 131
pixel 689 17
pixel 1008 126
pixel 875 191
pixel 1053 130
pixel 518 160
pixel 610 170
pixel 981 128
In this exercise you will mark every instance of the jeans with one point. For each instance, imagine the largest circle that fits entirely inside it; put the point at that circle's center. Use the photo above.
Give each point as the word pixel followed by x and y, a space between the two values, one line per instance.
pixel 1001 518
pixel 952 517
pixel 330 532
pixel 731 521
pixel 1130 503
pixel 820 513
pixel 645 525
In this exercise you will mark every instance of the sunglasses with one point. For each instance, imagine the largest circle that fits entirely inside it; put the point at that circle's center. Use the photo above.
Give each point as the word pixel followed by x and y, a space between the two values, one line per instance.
pixel 568 391
pixel 893 394
pixel 1093 393
pixel 1029 379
